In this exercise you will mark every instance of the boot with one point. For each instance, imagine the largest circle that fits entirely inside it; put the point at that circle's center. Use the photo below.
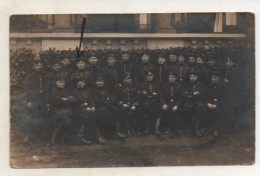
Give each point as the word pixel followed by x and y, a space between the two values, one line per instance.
pixel 215 132
pixel 198 132
pixel 54 136
pixel 121 135
pixel 157 132
pixel 101 140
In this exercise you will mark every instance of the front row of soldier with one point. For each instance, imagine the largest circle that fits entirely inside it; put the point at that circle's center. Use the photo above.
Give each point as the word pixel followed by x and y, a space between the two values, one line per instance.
pixel 128 111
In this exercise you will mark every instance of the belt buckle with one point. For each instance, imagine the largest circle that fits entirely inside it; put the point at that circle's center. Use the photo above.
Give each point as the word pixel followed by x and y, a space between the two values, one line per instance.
pixel 172 100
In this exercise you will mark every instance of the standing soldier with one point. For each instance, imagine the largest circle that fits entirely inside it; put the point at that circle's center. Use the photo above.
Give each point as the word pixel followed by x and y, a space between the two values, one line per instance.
pixel 113 85
pixel 67 71
pixel 172 63
pixel 93 69
pixel 194 103
pixel 36 97
pixel 182 70
pixel 128 101
pixel 161 69
pixel 142 68
pixel 61 101
pixel 80 72
pixel 53 75
pixel 149 98
pixel 170 103
pixel 125 65
pixel 201 70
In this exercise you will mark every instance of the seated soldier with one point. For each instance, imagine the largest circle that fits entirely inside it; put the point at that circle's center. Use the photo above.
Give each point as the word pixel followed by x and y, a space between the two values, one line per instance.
pixel 102 104
pixel 214 98
pixel 149 98
pixel 61 101
pixel 194 103
pixel 170 101
pixel 128 101
pixel 81 108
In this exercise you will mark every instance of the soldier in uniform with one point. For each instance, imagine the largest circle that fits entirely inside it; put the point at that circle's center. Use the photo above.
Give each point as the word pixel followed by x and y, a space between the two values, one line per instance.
pixel 37 123
pixel 67 70
pixel 61 101
pixel 125 65
pixel 82 108
pixel 200 69
pixel 53 75
pixel 80 72
pixel 214 99
pixel 149 98
pixel 172 63
pixel 93 69
pixel 161 69
pixel 113 85
pixel 182 70
pixel 141 69
pixel 194 103
pixel 102 102
pixel 128 101
pixel 170 100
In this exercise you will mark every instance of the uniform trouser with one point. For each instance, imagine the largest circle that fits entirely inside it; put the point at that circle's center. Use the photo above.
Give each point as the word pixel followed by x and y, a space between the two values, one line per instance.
pixel 193 114
pixel 129 118
pixel 62 124
pixel 212 119
pixel 146 119
pixel 169 119
pixel 104 122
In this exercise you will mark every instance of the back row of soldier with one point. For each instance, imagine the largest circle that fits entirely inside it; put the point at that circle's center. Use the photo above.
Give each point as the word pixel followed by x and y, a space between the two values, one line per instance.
pixel 124 96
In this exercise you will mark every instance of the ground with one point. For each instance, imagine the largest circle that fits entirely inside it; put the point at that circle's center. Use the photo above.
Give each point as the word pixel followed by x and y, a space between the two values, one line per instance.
pixel 226 149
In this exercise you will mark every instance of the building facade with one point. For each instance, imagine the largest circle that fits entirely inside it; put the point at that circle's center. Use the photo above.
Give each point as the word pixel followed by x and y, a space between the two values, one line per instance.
pixel 131 31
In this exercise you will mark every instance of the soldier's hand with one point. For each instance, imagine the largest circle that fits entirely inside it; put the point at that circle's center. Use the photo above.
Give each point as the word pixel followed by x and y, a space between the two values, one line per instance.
pixel 226 80
pixel 165 107
pixel 154 93
pixel 64 99
pixel 48 105
pixel 29 105
pixel 125 105
pixel 144 92
pixel 175 108
pixel 88 109
pixel 196 93
pixel 133 108
pixel 93 109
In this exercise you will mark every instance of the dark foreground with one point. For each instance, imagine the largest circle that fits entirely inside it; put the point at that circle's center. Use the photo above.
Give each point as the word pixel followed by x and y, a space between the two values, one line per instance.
pixel 227 149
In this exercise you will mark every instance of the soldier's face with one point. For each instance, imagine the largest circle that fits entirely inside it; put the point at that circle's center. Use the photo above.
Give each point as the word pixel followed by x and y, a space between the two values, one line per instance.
pixel 56 67
pixel 111 61
pixel 149 77
pixel 215 79
pixel 38 66
pixel 211 62
pixel 181 59
pixel 145 59
pixel 192 60
pixel 81 65
pixel 200 61
pixel 172 78
pixel 125 57
pixel 80 84
pixel 161 60
pixel 60 84
pixel 65 62
pixel 193 78
pixel 173 58
pixel 93 60
pixel 128 80
pixel 100 83
pixel 229 63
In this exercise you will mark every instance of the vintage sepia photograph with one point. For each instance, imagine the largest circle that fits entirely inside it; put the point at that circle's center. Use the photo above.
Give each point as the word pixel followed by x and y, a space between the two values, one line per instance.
pixel 132 90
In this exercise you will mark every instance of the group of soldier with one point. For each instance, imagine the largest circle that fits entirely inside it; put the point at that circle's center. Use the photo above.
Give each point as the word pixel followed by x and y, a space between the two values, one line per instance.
pixel 118 94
